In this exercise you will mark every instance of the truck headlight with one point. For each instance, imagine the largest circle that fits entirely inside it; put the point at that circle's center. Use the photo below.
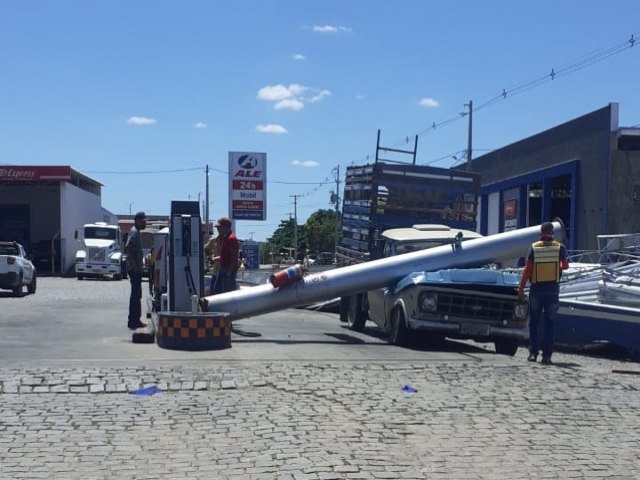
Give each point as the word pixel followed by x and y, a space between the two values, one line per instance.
pixel 429 301
pixel 521 311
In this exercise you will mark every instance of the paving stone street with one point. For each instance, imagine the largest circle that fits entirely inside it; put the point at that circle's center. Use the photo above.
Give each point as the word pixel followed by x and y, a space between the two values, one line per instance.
pixel 488 418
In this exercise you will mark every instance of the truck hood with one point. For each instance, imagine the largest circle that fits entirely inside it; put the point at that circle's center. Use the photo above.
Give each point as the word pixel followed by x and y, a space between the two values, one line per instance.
pixel 98 242
pixel 461 277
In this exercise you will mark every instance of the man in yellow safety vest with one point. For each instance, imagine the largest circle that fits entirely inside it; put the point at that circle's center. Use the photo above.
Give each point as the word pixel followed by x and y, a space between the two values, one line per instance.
pixel 545 261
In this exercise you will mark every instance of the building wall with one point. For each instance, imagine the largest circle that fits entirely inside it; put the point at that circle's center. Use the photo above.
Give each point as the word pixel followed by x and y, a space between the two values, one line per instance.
pixel 77 207
pixel 624 200
pixel 587 140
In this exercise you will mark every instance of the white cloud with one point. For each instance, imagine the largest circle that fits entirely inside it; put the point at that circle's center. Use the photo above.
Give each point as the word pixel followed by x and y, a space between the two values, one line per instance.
pixel 280 92
pixel 291 97
pixel 429 103
pixel 359 97
pixel 141 121
pixel 271 128
pixel 289 104
pixel 200 125
pixel 320 96
pixel 305 163
pixel 330 29
pixel 298 57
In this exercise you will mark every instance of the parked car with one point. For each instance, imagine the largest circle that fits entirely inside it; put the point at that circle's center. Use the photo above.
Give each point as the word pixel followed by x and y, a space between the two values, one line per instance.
pixel 16 270
pixel 480 304
pixel 326 258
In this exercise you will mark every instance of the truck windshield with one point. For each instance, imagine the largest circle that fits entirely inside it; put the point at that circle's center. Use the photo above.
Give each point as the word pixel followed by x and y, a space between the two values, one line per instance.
pixel 101 233
pixel 412 247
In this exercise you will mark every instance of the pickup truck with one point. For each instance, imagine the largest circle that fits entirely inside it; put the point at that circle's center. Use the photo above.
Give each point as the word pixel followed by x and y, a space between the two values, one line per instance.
pixel 16 270
pixel 480 304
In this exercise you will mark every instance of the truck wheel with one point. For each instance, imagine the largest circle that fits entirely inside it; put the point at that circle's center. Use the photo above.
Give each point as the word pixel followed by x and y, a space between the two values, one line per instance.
pixel 80 277
pixel 356 318
pixel 117 276
pixel 399 334
pixel 506 346
pixel 344 308
pixel 17 291
pixel 31 288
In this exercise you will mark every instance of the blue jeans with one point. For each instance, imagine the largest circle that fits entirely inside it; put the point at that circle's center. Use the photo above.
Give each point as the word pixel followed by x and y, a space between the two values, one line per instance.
pixel 226 281
pixel 542 306
pixel 135 306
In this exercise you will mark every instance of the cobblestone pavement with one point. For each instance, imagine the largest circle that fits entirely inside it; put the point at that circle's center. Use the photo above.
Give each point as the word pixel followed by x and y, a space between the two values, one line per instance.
pixel 342 420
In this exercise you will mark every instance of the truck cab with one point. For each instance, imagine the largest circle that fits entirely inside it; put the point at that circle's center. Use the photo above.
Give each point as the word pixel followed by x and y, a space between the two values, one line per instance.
pixel 101 253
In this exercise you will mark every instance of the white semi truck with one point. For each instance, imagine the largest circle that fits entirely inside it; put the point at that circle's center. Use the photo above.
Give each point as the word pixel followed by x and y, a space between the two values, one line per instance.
pixel 101 253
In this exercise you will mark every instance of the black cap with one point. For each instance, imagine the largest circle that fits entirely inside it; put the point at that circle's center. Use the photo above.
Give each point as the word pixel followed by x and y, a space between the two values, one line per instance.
pixel 140 215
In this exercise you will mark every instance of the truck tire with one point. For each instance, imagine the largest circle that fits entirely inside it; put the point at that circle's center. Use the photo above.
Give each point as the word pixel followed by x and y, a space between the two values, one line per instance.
pixel 80 276
pixel 344 308
pixel 398 334
pixel 506 346
pixel 356 317
pixel 17 290
pixel 31 288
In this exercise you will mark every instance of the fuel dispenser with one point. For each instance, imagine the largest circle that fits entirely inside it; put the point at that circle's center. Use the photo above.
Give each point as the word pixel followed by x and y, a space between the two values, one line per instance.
pixel 185 263
pixel 179 321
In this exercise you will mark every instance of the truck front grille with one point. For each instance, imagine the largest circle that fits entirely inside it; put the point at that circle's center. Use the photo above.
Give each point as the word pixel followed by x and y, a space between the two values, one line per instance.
pixel 471 306
pixel 95 254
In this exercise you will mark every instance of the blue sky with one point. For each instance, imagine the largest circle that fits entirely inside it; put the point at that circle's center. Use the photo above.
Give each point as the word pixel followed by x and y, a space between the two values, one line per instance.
pixel 167 87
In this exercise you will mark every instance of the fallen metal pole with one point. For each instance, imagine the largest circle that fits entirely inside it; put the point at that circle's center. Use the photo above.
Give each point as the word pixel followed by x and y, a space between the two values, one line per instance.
pixel 354 279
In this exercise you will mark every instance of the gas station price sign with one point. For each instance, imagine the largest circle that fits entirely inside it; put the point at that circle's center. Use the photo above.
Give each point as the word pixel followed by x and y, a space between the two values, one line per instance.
pixel 248 185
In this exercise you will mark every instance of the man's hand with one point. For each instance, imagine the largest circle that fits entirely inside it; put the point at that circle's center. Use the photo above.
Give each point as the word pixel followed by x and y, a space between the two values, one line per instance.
pixel 521 295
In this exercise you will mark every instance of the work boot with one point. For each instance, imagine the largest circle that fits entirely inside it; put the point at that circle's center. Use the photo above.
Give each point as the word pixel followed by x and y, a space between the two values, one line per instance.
pixel 546 361
pixel 135 326
pixel 532 357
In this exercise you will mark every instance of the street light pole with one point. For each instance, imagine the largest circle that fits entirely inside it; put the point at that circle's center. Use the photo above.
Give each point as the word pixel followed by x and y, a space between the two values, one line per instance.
pixel 295 226
pixel 206 207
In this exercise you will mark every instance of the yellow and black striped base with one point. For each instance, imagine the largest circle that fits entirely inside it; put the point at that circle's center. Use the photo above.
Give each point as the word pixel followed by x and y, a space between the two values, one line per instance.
pixel 193 331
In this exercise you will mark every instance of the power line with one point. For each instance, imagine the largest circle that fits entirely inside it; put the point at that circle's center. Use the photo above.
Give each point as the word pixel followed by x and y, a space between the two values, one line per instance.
pixel 144 172
pixel 571 67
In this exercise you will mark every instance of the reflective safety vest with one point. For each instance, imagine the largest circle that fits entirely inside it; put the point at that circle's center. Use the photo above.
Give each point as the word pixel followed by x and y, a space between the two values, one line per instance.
pixel 546 262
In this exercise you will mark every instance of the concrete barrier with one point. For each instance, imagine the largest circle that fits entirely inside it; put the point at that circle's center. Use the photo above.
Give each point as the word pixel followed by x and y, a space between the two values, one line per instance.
pixel 193 331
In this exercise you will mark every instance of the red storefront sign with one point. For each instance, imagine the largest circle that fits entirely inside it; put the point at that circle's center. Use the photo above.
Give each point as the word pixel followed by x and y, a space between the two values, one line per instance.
pixel 510 209
pixel 15 173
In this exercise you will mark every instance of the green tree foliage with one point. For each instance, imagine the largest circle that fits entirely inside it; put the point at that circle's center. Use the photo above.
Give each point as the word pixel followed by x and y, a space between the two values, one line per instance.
pixel 316 235
pixel 282 240
pixel 320 231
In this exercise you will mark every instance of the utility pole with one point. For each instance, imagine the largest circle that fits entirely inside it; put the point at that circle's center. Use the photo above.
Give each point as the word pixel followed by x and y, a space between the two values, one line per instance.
pixel 470 136
pixel 206 207
pixel 295 226
pixel 337 204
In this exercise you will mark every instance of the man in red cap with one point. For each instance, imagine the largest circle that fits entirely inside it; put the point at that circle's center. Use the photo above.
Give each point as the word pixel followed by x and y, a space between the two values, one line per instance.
pixel 228 257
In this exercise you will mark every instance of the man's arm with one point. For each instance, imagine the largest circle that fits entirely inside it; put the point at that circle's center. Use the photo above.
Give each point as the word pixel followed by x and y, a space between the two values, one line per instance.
pixel 526 274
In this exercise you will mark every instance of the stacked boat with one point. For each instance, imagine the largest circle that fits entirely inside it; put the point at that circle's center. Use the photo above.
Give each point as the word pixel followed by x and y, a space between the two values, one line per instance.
pixel 600 300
